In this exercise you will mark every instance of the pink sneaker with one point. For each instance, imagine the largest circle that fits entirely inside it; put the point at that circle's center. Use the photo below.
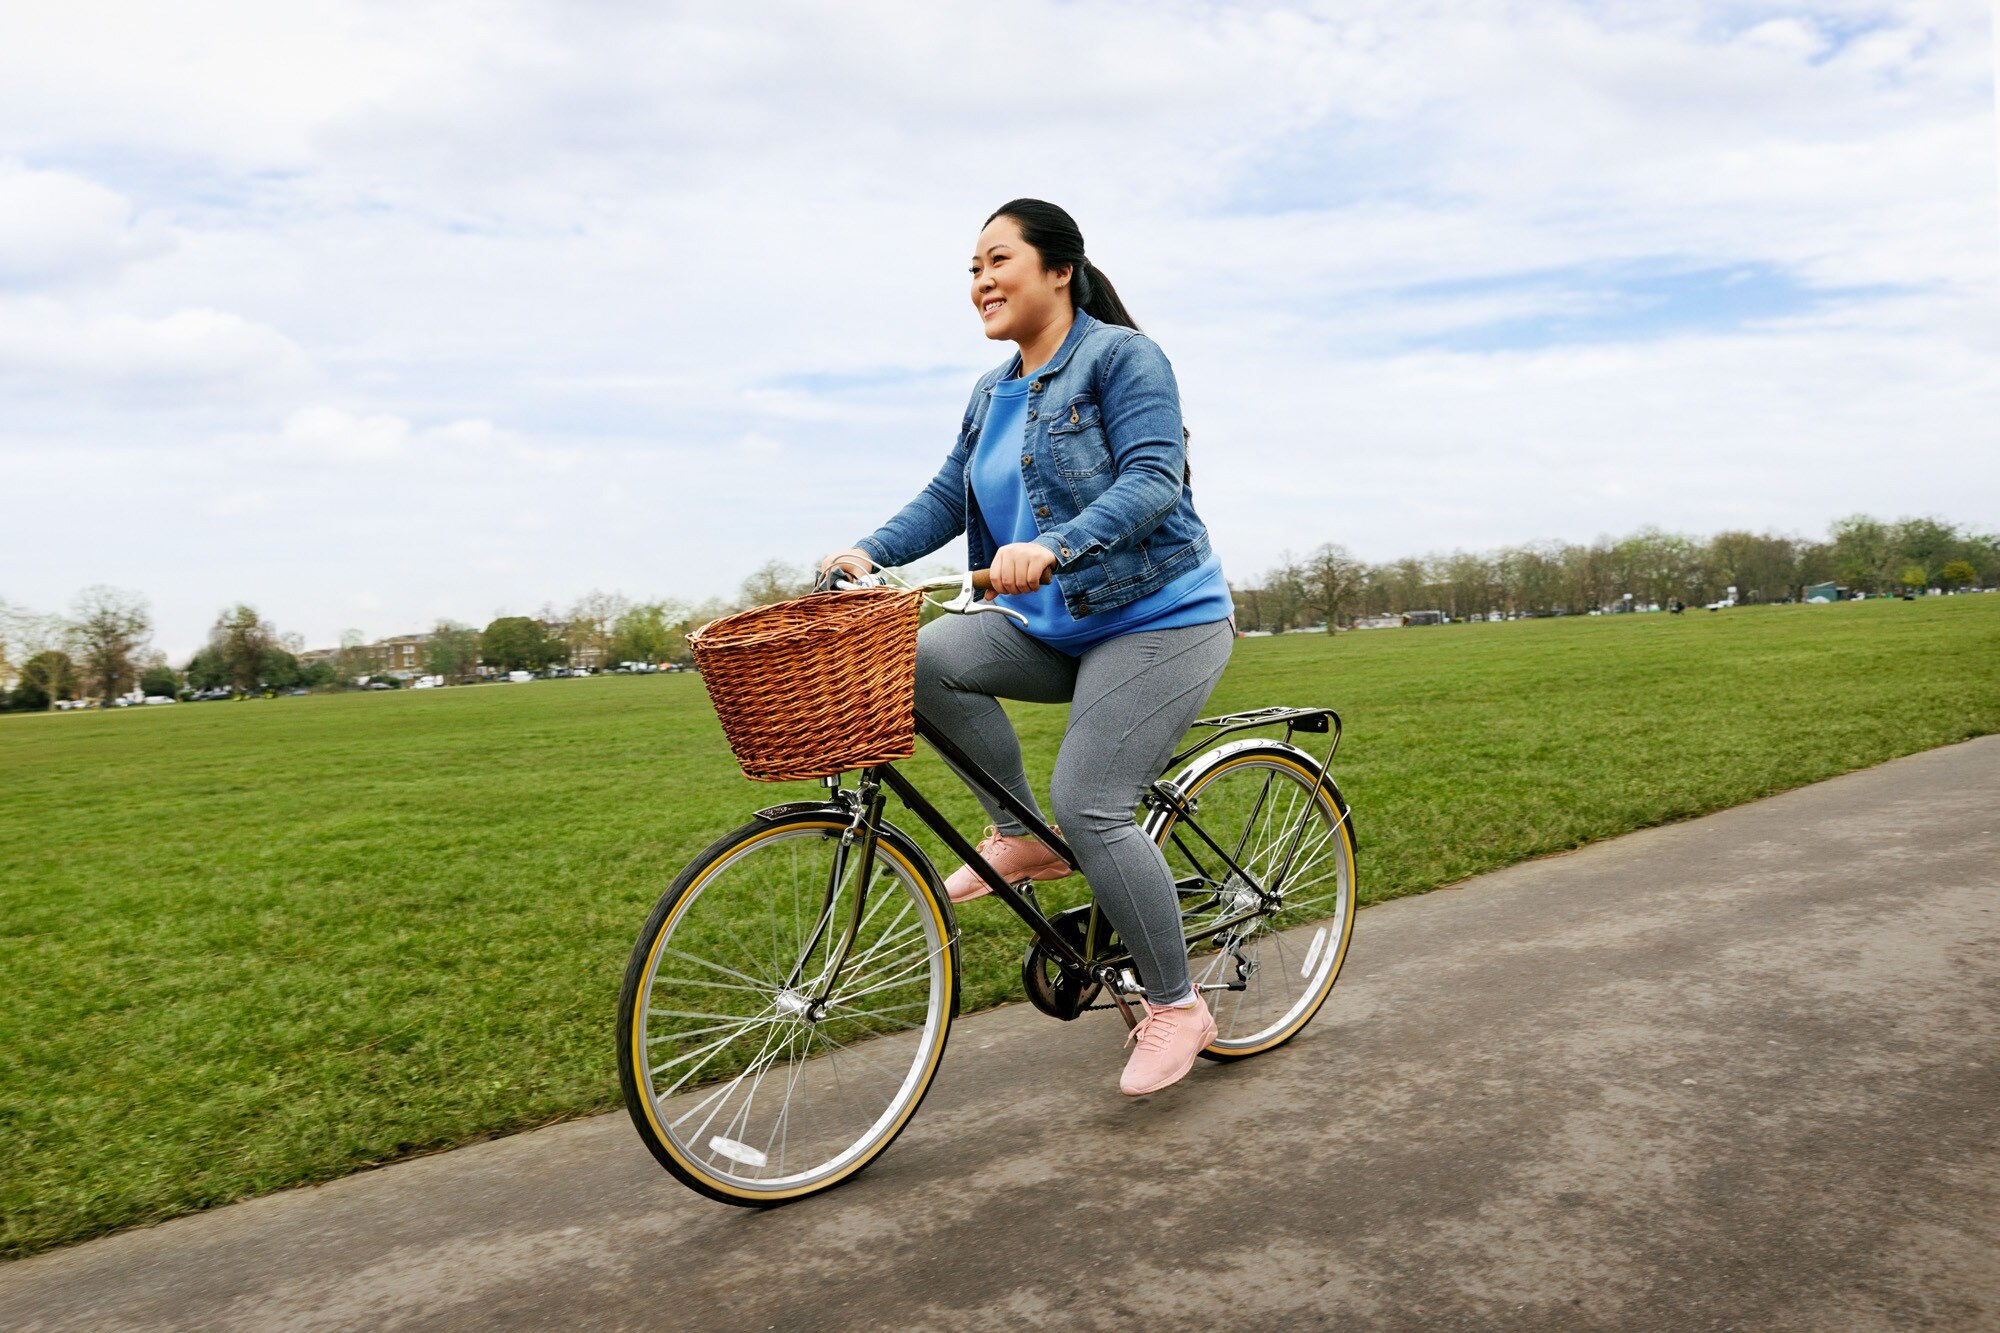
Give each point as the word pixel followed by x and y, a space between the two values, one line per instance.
pixel 1017 858
pixel 1169 1040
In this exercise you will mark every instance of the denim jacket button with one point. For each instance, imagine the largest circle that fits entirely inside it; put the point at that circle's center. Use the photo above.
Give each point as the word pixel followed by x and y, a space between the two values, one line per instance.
pixel 1026 459
pixel 1043 512
pixel 1031 414
pixel 1036 387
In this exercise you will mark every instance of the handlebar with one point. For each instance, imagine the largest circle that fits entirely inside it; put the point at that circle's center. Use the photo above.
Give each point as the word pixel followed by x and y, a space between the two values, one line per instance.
pixel 982 579
pixel 837 578
pixel 969 586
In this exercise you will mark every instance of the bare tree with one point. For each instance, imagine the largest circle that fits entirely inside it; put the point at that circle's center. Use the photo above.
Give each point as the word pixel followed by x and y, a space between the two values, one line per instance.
pixel 350 661
pixel 107 629
pixel 10 644
pixel 1328 577
pixel 587 626
pixel 42 665
pixel 776 581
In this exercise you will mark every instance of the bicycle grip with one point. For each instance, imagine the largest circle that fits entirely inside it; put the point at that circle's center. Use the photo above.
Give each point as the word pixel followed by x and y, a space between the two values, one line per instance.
pixel 982 579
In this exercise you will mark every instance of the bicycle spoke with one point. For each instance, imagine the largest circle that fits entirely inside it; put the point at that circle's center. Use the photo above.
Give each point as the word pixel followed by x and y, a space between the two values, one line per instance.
pixel 766 1085
pixel 761 984
pixel 884 985
pixel 1269 811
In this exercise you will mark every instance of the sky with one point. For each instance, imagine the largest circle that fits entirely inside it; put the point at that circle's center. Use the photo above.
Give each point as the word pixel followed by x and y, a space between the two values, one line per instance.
pixel 370 315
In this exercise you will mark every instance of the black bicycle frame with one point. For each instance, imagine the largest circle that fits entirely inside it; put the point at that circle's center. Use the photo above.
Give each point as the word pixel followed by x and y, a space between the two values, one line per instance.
pixel 867 812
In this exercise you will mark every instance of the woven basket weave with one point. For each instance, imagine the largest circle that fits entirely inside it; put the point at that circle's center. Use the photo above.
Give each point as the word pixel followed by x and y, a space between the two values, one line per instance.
pixel 818 685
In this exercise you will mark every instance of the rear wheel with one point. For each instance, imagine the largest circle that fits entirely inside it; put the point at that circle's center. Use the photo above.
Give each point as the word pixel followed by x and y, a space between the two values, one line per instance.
pixel 1266 975
pixel 746 1081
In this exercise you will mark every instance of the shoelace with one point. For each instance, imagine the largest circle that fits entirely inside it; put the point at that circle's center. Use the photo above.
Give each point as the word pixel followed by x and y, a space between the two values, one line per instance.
pixel 1151 1031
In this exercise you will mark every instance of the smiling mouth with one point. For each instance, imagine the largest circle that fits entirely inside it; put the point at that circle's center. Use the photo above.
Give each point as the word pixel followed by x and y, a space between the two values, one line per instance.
pixel 989 307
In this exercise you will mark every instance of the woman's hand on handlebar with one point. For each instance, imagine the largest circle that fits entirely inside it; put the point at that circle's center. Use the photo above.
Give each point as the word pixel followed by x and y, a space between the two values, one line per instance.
pixel 854 561
pixel 1020 567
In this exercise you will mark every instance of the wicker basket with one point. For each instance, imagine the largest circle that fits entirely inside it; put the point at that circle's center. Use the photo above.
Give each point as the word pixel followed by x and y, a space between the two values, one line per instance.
pixel 818 685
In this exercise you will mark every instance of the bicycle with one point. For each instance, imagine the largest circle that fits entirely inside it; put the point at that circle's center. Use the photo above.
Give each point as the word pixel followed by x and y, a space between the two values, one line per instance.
pixel 810 956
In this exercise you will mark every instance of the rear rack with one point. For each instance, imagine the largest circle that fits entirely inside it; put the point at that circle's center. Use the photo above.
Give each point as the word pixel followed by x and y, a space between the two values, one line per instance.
pixel 1317 721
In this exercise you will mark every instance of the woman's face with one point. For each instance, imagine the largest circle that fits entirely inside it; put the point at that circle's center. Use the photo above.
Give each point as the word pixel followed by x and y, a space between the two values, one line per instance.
pixel 1015 296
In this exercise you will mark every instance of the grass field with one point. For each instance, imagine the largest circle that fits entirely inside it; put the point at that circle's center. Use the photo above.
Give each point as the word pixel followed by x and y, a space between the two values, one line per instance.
pixel 250 945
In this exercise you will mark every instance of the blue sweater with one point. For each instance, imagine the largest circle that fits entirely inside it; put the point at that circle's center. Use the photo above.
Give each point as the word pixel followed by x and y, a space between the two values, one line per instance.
pixel 1198 597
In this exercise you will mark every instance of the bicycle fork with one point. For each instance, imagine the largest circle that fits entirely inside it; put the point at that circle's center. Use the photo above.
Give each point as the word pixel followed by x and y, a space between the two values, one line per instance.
pixel 867 802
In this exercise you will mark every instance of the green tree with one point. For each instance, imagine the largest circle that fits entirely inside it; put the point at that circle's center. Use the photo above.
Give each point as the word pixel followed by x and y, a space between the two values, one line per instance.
pixel 1928 542
pixel 649 632
pixel 278 668
pixel 453 651
pixel 1915 577
pixel 519 643
pixel 206 671
pixel 161 679
pixel 241 639
pixel 1862 551
pixel 1957 573
pixel 46 677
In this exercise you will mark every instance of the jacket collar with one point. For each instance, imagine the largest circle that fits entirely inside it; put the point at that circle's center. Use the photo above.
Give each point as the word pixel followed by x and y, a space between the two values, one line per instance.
pixel 1079 327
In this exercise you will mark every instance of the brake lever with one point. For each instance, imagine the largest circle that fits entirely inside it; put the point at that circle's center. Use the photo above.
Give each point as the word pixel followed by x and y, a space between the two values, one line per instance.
pixel 968 602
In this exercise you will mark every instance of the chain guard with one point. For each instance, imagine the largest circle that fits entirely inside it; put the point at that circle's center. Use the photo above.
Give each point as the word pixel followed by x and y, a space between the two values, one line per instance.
pixel 1055 988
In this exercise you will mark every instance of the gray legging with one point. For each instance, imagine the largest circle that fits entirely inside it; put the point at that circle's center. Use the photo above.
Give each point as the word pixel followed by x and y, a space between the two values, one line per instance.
pixel 1131 699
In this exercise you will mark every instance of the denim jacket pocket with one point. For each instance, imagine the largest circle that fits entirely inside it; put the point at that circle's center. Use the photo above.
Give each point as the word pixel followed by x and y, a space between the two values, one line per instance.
pixel 1076 439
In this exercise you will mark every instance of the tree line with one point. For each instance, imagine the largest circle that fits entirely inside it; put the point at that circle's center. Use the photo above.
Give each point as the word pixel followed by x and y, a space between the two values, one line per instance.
pixel 101 649
pixel 1329 587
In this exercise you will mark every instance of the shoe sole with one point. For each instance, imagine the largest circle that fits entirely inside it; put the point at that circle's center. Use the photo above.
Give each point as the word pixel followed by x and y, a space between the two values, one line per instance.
pixel 984 888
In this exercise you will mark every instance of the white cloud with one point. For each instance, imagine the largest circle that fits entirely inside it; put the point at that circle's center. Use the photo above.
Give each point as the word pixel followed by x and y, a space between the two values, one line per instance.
pixel 55 226
pixel 324 435
pixel 47 347
pixel 664 292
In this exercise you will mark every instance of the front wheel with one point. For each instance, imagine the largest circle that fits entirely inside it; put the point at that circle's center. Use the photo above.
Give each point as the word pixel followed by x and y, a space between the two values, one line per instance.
pixel 751 1076
pixel 1265 969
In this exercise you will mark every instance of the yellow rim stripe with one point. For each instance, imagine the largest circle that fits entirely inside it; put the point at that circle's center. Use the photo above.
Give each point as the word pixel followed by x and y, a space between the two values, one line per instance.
pixel 652 960
pixel 1347 925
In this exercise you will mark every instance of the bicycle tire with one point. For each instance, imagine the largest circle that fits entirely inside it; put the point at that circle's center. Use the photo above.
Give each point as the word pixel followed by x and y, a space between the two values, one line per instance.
pixel 1326 954
pixel 910 877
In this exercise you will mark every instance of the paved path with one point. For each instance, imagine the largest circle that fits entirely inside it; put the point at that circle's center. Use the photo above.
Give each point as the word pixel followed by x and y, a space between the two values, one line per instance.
pixel 1738 1073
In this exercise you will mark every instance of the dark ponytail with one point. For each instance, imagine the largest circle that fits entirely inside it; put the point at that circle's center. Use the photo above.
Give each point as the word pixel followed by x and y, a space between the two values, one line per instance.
pixel 1059 241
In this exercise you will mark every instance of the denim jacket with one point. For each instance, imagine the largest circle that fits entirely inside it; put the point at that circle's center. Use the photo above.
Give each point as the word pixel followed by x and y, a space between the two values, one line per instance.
pixel 1101 458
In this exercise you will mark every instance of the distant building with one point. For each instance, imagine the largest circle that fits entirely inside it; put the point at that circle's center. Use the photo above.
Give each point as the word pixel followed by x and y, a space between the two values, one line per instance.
pixel 401 656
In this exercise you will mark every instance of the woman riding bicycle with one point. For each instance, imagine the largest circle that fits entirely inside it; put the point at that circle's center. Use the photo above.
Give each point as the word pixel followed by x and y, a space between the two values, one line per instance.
pixel 1071 467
